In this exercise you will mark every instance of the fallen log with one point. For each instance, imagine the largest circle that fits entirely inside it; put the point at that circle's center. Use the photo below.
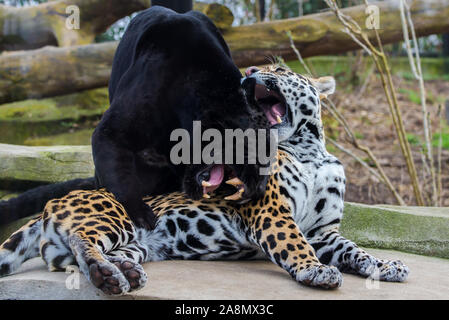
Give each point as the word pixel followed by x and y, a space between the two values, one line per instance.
pixel 51 71
pixel 322 33
pixel 22 167
pixel 24 28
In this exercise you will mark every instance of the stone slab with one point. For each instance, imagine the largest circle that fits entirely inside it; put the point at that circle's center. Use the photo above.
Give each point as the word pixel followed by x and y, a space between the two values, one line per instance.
pixel 255 280
pixel 421 230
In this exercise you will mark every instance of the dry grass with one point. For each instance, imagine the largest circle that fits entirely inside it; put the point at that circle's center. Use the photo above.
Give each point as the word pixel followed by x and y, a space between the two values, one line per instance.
pixel 369 116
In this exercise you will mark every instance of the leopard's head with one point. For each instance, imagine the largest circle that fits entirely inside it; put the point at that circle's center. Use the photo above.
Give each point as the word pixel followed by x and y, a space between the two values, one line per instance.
pixel 287 99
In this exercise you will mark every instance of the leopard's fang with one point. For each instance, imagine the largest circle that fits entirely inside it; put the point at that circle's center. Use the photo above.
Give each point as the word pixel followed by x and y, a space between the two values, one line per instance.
pixel 237 195
pixel 204 183
pixel 234 182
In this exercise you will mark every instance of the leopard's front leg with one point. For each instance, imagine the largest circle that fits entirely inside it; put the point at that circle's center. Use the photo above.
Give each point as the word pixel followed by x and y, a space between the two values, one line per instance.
pixel 273 229
pixel 333 249
pixel 330 247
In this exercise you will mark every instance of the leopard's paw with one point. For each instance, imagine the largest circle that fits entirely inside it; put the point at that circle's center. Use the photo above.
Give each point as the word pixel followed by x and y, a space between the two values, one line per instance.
pixel 392 271
pixel 134 272
pixel 107 277
pixel 327 277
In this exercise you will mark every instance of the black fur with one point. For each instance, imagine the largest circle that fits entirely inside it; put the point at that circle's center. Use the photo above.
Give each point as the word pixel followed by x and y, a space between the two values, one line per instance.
pixel 169 70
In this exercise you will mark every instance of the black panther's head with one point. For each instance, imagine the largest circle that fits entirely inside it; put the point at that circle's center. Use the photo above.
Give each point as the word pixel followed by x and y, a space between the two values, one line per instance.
pixel 236 167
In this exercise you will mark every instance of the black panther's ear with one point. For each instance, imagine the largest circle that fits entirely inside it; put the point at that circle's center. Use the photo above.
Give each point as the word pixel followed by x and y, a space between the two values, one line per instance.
pixel 325 86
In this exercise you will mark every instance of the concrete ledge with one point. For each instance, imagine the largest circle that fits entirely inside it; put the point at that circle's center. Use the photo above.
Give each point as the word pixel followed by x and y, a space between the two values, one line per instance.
pixel 256 280
pixel 422 230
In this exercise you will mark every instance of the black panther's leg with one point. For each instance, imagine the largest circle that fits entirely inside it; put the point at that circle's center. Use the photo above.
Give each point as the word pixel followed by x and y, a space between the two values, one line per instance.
pixel 115 170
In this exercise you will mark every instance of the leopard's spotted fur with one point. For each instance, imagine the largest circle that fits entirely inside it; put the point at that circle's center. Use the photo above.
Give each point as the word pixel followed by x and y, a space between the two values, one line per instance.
pixel 295 224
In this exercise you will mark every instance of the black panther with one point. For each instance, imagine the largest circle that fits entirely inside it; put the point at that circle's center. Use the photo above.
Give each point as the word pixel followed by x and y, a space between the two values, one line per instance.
pixel 169 70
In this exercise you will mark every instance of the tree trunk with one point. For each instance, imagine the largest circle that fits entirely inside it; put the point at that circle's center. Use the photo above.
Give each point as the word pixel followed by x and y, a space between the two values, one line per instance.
pixel 262 10
pixel 52 71
pixel 321 33
pixel 49 24
pixel 446 45
pixel 53 23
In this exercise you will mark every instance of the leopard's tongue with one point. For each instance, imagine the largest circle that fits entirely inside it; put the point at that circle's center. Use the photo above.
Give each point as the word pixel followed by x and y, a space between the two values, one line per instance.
pixel 215 178
pixel 274 113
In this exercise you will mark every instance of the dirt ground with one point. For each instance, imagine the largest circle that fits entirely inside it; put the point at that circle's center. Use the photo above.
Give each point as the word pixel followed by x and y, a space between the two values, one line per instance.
pixel 367 112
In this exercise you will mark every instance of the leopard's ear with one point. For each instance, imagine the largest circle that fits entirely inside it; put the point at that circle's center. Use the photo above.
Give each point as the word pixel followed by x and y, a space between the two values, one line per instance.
pixel 325 86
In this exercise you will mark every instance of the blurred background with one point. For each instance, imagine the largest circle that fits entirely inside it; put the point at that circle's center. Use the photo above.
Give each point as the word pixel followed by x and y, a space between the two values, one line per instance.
pixel 56 57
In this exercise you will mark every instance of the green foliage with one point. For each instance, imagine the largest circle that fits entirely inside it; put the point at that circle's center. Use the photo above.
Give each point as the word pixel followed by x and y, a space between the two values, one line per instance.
pixel 436 140
pixel 330 148
pixel 369 162
pixel 359 135
pixel 286 9
pixel 245 10
pixel 445 138
pixel 413 139
pixel 80 137
pixel 116 31
pixel 340 66
pixel 412 95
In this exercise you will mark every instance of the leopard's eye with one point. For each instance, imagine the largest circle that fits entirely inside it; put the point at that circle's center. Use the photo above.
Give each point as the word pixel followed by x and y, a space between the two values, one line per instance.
pixel 279 69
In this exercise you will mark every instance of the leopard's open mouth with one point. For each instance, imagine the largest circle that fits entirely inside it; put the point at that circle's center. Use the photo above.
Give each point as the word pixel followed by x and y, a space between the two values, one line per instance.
pixel 212 177
pixel 272 103
pixel 268 99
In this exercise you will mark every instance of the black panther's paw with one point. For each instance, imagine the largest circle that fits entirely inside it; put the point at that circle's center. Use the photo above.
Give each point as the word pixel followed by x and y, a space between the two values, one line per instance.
pixel 142 216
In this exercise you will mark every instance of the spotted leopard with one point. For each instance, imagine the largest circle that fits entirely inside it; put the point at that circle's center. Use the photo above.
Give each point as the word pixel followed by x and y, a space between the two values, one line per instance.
pixel 295 224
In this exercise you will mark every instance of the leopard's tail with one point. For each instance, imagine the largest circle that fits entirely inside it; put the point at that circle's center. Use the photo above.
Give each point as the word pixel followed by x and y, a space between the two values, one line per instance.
pixel 33 201
pixel 20 246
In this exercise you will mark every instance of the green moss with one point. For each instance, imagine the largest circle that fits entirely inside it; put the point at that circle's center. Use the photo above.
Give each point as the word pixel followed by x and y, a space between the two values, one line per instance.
pixel 73 106
pixel 30 110
pixel 89 99
pixel 421 233
pixel 38 118
pixel 81 137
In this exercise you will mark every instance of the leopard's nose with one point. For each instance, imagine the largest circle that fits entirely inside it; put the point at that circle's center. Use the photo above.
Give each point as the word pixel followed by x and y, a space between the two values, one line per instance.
pixel 251 70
